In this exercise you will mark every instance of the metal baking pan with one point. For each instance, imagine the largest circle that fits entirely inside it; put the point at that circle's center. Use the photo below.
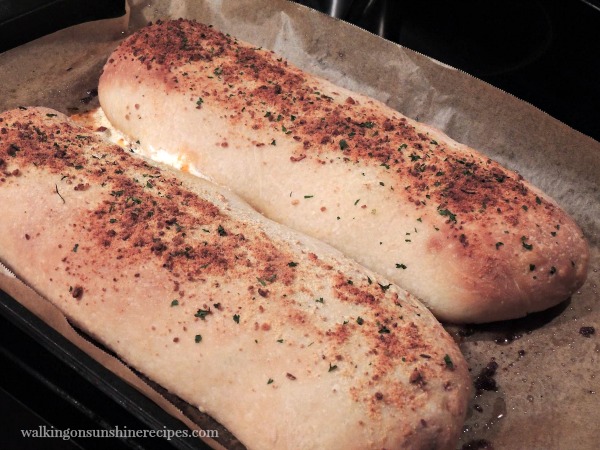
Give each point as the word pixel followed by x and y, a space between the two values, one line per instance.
pixel 55 385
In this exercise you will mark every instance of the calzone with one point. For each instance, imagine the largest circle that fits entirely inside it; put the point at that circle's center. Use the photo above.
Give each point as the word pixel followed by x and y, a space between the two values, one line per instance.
pixel 283 340
pixel 470 238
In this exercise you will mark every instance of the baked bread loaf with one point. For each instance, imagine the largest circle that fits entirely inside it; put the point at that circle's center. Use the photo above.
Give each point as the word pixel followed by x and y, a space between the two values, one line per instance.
pixel 277 336
pixel 470 238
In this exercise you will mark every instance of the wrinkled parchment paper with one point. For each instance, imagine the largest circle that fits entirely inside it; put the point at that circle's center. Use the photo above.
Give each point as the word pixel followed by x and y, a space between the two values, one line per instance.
pixel 548 376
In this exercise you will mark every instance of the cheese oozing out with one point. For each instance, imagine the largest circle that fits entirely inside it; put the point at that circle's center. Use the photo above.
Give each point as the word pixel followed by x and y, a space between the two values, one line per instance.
pixel 96 120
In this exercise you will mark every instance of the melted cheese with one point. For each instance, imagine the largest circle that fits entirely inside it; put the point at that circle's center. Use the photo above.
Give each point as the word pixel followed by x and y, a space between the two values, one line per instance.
pixel 96 120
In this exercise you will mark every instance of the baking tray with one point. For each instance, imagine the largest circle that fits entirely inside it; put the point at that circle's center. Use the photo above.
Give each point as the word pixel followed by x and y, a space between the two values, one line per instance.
pixel 101 400
pixel 537 377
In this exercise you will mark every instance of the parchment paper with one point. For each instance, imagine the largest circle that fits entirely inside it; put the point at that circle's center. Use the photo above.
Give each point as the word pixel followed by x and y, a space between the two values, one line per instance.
pixel 548 375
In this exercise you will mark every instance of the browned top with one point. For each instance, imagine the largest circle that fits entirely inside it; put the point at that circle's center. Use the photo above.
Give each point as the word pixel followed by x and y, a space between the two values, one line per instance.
pixel 502 225
pixel 463 187
pixel 144 212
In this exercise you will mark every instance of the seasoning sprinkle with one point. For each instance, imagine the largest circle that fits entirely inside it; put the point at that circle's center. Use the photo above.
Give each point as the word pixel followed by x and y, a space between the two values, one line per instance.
pixel 448 361
pixel 383 329
pixel 448 213
pixel 526 245
pixel 61 197
pixel 202 313
pixel 384 287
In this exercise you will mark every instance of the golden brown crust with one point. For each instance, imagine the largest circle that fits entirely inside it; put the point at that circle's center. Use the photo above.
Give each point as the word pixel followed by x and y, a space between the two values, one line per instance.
pixel 277 336
pixel 507 248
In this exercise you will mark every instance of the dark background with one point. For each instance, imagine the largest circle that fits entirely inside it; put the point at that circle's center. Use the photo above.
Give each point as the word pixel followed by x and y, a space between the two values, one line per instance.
pixel 546 52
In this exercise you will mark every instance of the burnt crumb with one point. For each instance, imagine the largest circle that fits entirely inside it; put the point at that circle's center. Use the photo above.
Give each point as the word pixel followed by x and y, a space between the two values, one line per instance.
pixel 478 408
pixel 297 158
pixel 587 331
pixel 378 396
pixel 159 247
pixel 521 353
pixel 478 444
pixel 290 376
pixel 417 378
pixel 82 187
pixel 485 380
pixel 12 150
pixel 77 292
